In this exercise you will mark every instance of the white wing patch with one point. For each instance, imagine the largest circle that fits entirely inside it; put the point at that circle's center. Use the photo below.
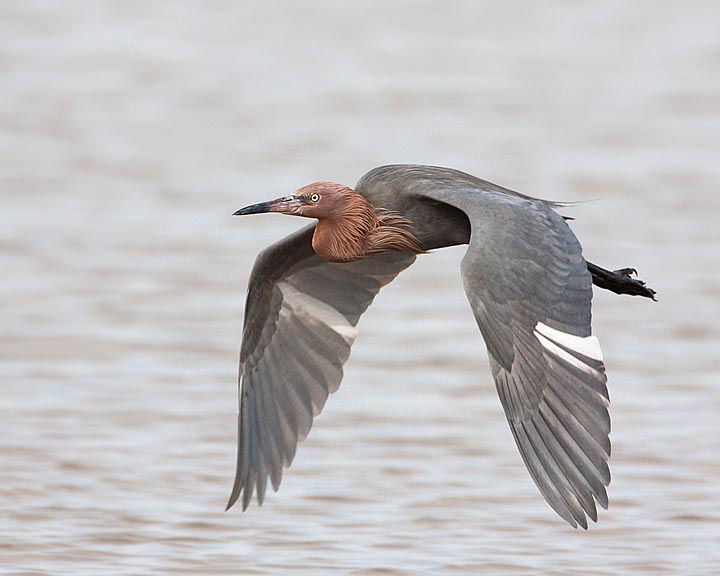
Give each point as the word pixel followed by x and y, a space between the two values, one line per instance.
pixel 301 303
pixel 558 342
pixel 588 346
pixel 346 330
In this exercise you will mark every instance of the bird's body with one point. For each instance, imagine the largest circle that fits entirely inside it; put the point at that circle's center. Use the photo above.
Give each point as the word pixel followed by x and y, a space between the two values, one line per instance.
pixel 528 285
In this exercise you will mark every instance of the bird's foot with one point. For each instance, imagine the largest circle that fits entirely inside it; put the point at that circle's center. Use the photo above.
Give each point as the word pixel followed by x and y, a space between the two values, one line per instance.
pixel 620 281
pixel 638 286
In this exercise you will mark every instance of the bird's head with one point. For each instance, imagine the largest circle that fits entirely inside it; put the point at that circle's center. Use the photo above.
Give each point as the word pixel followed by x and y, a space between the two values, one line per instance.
pixel 318 200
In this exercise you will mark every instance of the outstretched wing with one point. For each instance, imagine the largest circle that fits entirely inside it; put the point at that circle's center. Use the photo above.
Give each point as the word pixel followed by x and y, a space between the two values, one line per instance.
pixel 301 315
pixel 531 292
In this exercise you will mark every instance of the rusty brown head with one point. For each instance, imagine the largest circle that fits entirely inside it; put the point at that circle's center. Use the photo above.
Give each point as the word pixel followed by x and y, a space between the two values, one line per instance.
pixel 317 200
pixel 349 227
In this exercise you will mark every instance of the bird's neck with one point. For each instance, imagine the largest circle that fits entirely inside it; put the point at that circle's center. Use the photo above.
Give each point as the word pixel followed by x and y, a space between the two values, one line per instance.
pixel 359 230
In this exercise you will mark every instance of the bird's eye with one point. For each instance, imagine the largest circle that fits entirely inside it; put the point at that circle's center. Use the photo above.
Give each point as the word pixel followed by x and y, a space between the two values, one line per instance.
pixel 314 197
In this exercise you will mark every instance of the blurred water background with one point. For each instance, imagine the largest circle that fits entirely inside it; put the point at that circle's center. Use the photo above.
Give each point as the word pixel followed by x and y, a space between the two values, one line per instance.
pixel 129 133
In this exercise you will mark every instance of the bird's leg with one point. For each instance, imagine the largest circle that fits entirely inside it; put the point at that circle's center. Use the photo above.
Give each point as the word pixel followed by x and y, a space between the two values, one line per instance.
pixel 619 281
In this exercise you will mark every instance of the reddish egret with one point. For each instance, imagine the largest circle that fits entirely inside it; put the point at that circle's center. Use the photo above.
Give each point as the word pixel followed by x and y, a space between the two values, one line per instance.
pixel 528 285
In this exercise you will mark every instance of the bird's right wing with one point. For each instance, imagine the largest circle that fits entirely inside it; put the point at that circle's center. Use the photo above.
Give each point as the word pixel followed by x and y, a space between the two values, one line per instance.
pixel 301 315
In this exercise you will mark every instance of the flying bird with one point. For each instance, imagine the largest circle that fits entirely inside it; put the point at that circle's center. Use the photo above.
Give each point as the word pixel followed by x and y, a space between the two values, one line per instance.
pixel 529 287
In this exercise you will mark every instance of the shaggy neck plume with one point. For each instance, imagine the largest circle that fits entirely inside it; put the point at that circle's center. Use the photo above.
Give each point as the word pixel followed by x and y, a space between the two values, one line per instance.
pixel 355 230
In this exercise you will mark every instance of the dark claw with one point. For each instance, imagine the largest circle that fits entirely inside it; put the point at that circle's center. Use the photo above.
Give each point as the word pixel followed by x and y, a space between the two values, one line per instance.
pixel 626 272
pixel 620 281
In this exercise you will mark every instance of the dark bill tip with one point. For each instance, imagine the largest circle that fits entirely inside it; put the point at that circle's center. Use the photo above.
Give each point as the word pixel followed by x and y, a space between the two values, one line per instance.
pixel 285 205
pixel 260 208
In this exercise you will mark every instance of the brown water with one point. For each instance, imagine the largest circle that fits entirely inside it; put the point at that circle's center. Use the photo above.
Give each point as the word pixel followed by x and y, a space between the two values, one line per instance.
pixel 130 131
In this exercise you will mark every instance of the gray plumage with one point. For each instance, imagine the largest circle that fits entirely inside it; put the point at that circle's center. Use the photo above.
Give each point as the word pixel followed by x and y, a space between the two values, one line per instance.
pixel 530 291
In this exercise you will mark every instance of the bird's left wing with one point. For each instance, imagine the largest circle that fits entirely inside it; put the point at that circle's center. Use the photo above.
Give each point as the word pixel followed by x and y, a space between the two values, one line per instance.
pixel 301 315
pixel 531 292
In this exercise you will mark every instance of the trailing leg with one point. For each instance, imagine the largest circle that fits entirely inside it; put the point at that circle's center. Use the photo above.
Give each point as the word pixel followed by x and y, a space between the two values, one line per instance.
pixel 619 281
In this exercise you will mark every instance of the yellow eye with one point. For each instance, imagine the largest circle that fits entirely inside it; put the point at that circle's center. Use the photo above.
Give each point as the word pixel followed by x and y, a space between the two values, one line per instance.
pixel 314 197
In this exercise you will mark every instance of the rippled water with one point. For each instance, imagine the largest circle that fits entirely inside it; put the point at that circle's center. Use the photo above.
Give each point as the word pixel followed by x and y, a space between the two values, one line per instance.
pixel 130 131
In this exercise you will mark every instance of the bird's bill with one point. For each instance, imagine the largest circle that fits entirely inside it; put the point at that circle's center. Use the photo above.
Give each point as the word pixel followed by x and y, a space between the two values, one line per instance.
pixel 285 205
